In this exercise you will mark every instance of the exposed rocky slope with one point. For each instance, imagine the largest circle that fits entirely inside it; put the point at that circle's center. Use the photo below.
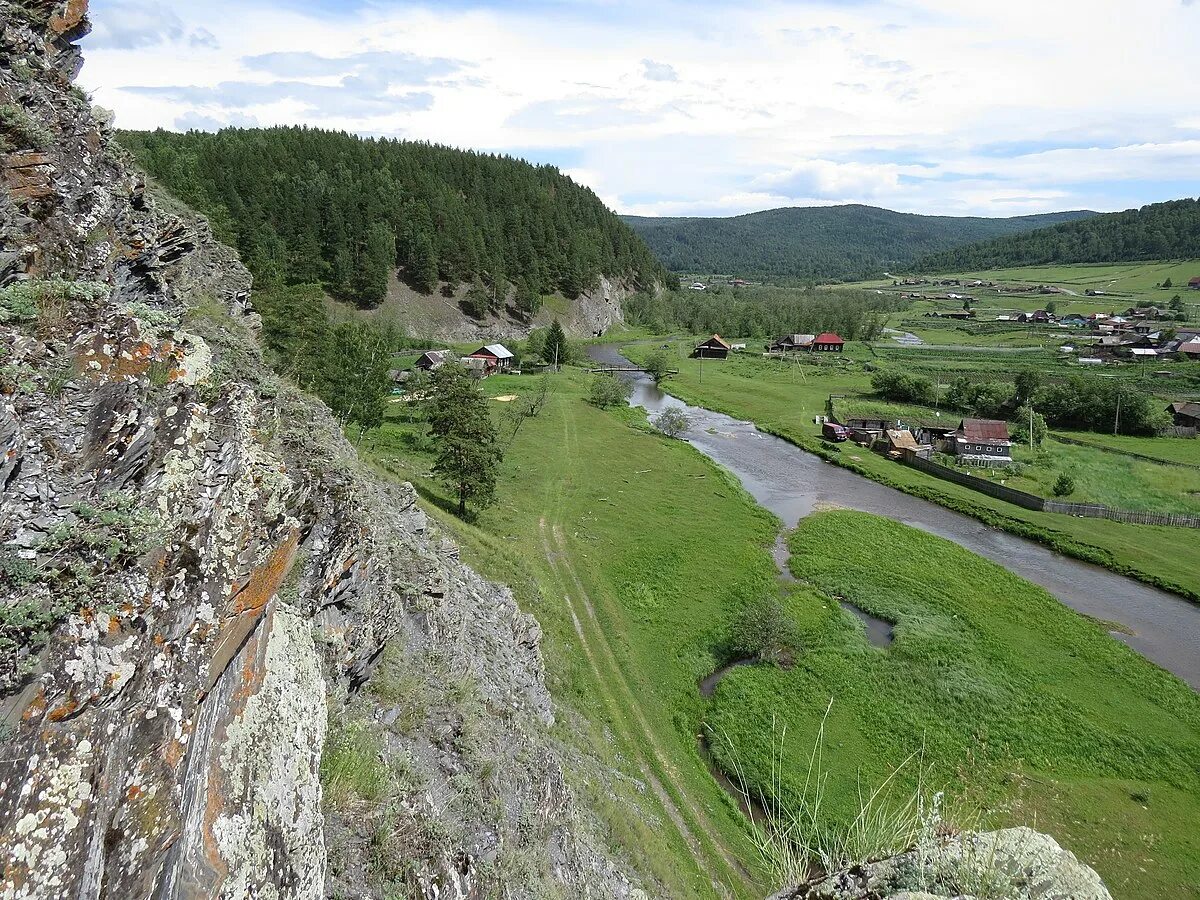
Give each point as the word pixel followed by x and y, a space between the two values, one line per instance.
pixel 199 586
pixel 441 317
pixel 1013 864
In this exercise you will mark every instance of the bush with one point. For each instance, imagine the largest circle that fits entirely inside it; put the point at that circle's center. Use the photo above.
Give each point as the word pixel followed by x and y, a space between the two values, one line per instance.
pixel 1064 486
pixel 672 421
pixel 764 630
pixel 902 388
pixel 608 390
pixel 45 301
pixel 657 365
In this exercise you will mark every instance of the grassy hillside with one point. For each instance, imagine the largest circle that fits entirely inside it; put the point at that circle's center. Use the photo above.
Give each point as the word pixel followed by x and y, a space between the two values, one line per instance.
pixel 1157 231
pixel 310 206
pixel 827 242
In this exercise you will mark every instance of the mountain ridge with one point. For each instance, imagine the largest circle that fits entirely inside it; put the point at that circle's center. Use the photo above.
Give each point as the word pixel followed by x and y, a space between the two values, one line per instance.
pixel 846 241
pixel 1167 230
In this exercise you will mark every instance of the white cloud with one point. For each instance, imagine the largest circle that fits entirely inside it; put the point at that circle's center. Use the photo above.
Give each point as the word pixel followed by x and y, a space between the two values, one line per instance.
pixel 931 106
pixel 656 71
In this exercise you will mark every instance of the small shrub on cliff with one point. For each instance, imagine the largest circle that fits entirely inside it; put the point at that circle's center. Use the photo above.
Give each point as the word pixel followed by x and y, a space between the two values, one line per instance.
pixel 351 767
pixel 45 301
pixel 18 130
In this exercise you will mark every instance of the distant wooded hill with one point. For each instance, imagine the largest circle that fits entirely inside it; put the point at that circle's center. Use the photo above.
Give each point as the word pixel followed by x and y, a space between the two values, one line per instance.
pixel 1159 231
pixel 820 242
pixel 304 205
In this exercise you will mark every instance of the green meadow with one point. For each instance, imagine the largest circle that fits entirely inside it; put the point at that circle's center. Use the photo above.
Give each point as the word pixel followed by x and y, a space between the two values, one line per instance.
pixel 783 397
pixel 635 552
pixel 1015 706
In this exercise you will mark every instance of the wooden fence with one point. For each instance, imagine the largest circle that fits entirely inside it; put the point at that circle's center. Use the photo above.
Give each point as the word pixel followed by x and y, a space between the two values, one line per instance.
pixel 1041 504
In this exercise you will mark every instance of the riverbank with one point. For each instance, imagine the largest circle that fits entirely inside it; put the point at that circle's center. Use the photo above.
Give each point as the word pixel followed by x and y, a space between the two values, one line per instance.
pixel 783 404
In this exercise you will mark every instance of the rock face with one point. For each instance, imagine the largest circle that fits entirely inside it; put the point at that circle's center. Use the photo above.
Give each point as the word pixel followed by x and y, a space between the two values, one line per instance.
pixel 201 589
pixel 1013 864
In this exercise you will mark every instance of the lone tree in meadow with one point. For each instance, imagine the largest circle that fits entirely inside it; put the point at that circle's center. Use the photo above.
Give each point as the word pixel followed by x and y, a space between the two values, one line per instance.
pixel 554 350
pixel 608 390
pixel 657 365
pixel 764 630
pixel 468 449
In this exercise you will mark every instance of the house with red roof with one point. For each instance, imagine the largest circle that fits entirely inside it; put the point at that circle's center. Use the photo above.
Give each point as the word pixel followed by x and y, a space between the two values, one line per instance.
pixel 828 342
pixel 982 442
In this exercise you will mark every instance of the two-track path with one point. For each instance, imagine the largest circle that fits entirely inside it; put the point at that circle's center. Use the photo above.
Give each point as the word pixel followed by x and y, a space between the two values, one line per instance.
pixel 716 861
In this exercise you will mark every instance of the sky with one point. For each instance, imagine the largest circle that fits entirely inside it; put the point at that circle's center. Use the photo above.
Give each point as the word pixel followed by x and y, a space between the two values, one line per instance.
pixel 954 107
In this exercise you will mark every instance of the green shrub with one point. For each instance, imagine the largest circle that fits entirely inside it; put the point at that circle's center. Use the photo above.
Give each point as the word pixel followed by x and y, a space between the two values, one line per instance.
pixel 1064 486
pixel 44 300
pixel 18 130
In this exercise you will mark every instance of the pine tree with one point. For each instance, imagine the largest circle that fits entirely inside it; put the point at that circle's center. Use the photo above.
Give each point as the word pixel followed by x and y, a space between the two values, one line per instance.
pixel 554 350
pixel 468 451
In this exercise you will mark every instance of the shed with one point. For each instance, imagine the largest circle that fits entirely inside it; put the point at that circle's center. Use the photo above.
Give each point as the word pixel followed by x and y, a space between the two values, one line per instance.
pixel 898 440
pixel 1190 349
pixel 713 348
pixel 432 359
pixel 1194 283
pixel 793 342
pixel 1186 414
pixel 828 342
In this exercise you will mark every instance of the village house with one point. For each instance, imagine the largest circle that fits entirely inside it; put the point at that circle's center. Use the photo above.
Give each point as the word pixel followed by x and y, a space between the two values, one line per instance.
pixel 432 359
pixel 714 348
pixel 1190 349
pixel 497 357
pixel 1075 320
pixel 1186 414
pixel 828 342
pixel 983 442
pixel 1194 284
pixel 790 342
pixel 899 441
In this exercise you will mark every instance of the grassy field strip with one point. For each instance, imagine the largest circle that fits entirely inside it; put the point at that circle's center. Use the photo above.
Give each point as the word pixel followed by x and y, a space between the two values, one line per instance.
pixel 701 835
pixel 556 558
pixel 700 832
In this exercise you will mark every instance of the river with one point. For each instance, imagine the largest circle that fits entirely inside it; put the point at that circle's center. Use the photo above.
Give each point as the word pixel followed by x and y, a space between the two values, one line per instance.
pixel 792 483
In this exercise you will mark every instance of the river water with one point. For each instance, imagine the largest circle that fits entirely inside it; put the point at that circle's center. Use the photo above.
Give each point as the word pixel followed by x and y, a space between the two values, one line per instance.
pixel 792 483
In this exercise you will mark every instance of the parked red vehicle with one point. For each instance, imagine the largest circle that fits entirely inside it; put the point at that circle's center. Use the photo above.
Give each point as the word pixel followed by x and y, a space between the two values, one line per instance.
pixel 831 431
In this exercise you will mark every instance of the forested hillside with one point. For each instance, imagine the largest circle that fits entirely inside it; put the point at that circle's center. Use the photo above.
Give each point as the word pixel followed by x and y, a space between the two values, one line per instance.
pixel 816 243
pixel 310 206
pixel 1159 231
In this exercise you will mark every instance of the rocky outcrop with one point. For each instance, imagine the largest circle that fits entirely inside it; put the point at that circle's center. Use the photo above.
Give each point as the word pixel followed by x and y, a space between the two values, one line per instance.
pixel 1012 864
pixel 201 590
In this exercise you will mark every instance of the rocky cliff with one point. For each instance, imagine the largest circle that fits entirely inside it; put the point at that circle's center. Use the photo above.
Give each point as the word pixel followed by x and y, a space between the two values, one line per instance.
pixel 201 590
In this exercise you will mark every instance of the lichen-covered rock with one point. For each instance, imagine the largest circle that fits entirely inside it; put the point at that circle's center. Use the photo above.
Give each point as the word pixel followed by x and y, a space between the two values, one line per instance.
pixel 198 581
pixel 1011 864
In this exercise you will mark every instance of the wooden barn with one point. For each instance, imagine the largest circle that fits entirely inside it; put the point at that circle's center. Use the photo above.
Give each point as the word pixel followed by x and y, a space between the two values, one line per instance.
pixel 714 348
pixel 433 359
pixel 497 357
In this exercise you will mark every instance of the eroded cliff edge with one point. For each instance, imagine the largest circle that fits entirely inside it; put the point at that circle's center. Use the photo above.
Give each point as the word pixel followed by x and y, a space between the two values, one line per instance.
pixel 197 577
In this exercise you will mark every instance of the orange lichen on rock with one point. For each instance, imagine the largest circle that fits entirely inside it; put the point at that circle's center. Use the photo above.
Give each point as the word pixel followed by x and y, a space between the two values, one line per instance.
pixel 264 582
pixel 61 712
pixel 36 706
pixel 67 16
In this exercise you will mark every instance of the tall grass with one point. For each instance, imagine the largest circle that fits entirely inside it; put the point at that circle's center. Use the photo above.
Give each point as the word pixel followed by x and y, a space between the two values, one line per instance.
pixel 797 841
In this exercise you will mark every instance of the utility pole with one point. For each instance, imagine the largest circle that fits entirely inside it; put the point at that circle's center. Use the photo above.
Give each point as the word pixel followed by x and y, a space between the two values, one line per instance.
pixel 1117 418
pixel 1030 426
pixel 702 365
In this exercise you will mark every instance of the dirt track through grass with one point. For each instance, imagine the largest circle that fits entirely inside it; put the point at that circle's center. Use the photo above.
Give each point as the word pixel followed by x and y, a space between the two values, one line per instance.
pixel 691 821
